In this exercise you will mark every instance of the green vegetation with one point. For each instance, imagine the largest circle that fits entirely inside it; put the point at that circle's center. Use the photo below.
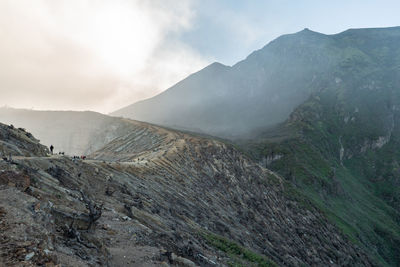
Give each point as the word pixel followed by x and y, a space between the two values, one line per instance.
pixel 358 193
pixel 239 256
pixel 345 154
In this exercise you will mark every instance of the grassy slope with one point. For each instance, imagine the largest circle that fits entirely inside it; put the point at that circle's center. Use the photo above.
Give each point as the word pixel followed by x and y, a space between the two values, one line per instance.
pixel 238 255
pixel 351 107
pixel 347 192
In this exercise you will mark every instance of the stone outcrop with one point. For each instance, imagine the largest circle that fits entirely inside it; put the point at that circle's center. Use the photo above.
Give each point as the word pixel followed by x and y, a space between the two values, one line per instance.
pixel 19 142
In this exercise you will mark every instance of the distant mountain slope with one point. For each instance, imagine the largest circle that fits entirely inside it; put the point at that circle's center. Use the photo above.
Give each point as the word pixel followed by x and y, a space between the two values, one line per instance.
pixel 341 146
pixel 267 86
pixel 73 132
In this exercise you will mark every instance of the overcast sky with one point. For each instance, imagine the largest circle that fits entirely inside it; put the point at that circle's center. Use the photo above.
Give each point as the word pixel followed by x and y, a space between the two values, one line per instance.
pixel 102 55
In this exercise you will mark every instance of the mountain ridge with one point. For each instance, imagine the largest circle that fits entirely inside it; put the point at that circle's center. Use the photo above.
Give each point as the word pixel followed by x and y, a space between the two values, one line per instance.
pixel 198 200
pixel 261 90
pixel 340 146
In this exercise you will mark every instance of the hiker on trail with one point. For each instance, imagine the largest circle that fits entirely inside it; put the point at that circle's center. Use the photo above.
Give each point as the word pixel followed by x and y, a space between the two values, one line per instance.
pixel 51 149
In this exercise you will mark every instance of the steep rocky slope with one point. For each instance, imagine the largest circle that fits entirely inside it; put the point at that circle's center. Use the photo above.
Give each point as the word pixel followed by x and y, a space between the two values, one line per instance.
pixel 72 132
pixel 337 98
pixel 341 146
pixel 19 142
pixel 269 84
pixel 165 197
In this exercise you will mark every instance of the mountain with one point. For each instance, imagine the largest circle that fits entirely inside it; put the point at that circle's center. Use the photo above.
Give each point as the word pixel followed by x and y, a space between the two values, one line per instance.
pixel 340 147
pixel 182 200
pixel 72 132
pixel 258 92
pixel 320 110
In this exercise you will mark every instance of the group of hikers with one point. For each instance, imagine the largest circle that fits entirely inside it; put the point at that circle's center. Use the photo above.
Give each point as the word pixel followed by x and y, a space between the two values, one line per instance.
pixel 63 153
pixel 79 157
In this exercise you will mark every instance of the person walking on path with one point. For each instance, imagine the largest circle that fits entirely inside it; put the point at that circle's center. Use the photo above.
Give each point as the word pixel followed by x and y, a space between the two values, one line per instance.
pixel 51 149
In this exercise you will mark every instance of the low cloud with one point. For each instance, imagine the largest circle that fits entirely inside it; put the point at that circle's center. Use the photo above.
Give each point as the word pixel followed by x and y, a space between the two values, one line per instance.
pixel 87 54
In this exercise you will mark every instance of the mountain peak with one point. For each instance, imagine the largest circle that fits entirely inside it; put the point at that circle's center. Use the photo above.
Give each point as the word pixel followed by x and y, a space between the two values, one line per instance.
pixel 216 65
pixel 306 30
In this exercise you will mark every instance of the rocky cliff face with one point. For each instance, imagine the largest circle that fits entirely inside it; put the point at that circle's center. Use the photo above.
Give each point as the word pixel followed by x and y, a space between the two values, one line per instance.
pixel 19 142
pixel 165 197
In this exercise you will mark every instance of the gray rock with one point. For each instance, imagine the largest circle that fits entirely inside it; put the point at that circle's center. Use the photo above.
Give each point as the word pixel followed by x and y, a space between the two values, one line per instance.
pixel 29 256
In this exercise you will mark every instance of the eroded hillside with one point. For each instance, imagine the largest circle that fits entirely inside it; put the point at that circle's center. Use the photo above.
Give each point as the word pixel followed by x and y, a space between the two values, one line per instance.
pixel 19 142
pixel 165 197
pixel 340 148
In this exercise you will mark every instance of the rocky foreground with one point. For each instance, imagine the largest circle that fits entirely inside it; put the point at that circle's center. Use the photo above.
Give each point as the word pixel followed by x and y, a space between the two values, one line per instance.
pixel 159 197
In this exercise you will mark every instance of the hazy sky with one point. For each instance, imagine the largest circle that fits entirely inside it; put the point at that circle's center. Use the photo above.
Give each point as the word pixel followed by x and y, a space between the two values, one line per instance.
pixel 102 55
